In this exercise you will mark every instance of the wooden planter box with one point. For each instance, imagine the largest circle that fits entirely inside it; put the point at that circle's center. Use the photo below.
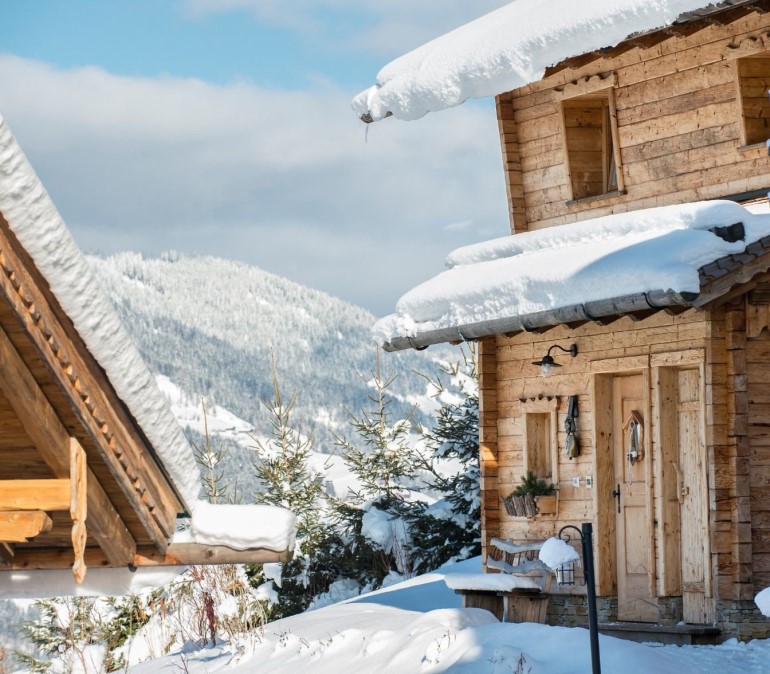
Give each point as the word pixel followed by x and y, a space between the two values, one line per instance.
pixel 546 505
pixel 530 506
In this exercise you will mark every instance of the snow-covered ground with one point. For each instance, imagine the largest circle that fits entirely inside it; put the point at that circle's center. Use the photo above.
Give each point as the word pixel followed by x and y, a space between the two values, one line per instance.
pixel 418 626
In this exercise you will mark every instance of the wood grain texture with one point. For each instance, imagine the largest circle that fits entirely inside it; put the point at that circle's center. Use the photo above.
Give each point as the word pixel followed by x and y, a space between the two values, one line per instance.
pixel 120 443
pixel 35 494
pixel 21 525
pixel 52 442
pixel 674 102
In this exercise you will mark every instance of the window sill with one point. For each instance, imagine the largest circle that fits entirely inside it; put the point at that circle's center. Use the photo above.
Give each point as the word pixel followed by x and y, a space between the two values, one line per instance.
pixel 596 197
pixel 753 147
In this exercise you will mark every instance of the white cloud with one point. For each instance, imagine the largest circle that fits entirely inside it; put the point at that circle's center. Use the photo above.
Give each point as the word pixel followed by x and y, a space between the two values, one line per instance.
pixel 280 179
pixel 383 28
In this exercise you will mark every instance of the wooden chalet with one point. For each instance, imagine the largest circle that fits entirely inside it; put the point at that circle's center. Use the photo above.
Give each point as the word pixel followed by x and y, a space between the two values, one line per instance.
pixel 667 116
pixel 94 470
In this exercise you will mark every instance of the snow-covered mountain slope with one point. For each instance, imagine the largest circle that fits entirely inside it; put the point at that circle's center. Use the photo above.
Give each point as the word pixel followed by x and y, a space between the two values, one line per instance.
pixel 207 327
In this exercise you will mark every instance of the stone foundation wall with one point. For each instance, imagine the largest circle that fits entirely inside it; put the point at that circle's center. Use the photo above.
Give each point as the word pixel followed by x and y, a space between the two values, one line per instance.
pixel 570 610
pixel 736 619
pixel 741 619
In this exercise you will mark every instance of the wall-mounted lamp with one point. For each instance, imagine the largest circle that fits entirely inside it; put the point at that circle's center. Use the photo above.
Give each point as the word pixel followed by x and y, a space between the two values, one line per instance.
pixel 547 363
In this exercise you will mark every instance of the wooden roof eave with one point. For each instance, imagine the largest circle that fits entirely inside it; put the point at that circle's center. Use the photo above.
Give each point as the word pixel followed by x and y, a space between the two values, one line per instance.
pixel 117 437
pixel 576 313
pixel 720 281
pixel 724 12
pixel 176 554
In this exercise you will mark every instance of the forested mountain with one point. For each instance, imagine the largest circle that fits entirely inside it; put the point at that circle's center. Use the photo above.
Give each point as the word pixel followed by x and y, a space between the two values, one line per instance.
pixel 210 324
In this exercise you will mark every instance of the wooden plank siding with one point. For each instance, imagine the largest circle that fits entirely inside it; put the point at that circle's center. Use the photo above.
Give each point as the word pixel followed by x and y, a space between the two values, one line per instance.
pixel 681 129
pixel 709 342
pixel 486 367
pixel 758 501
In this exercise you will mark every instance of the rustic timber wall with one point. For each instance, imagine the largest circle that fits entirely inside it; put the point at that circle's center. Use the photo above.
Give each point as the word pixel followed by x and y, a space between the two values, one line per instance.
pixel 679 122
pixel 490 494
pixel 709 342
pixel 758 367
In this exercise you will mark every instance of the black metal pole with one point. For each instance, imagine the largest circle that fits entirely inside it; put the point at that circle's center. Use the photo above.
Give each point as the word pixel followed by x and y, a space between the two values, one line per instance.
pixel 593 625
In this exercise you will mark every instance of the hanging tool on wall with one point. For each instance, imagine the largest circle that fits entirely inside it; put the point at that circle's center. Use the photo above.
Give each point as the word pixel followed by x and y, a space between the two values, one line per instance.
pixel 571 448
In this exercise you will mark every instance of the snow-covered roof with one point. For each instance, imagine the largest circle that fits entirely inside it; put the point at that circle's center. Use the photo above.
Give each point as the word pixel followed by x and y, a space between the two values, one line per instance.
pixel 40 229
pixel 627 261
pixel 507 49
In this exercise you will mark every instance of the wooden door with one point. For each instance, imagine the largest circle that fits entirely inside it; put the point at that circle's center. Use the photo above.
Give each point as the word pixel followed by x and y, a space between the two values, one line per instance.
pixel 696 590
pixel 633 524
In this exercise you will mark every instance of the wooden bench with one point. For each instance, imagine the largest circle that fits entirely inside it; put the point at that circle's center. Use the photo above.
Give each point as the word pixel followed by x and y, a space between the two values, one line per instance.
pixel 519 593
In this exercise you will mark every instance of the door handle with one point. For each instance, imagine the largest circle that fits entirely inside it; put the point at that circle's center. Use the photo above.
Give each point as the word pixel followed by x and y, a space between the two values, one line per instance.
pixel 682 492
pixel 616 494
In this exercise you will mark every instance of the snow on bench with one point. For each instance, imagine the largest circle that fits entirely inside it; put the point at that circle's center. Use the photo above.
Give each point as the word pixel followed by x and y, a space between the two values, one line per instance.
pixel 518 594
pixel 490 582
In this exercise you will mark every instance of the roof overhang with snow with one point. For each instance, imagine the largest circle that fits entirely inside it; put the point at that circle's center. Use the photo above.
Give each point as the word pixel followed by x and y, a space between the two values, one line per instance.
pixel 526 40
pixel 94 468
pixel 669 258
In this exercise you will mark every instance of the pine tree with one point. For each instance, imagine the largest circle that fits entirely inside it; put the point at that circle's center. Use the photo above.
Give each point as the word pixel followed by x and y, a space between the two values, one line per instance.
pixel 283 469
pixel 65 630
pixel 381 457
pixel 452 533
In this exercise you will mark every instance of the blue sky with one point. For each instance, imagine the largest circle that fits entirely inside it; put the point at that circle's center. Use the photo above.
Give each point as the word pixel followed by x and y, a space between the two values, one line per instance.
pixel 223 127
pixel 157 37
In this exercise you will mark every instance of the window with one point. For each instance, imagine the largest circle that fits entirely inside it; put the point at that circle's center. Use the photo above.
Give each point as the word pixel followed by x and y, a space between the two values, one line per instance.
pixel 754 85
pixel 539 443
pixel 540 437
pixel 590 142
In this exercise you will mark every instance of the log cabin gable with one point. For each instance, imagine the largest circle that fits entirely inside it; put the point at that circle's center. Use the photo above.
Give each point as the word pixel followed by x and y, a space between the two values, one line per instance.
pixel 94 469
pixel 112 430
pixel 686 111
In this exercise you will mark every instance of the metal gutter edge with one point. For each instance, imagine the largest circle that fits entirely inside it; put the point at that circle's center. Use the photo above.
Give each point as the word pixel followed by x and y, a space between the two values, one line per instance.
pixel 588 311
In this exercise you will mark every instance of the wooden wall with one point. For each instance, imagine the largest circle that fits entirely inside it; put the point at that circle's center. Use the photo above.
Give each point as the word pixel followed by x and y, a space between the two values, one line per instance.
pixel 707 342
pixel 758 368
pixel 679 128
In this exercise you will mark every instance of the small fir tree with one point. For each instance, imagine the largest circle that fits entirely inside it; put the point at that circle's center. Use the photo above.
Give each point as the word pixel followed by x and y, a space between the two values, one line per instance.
pixel 452 533
pixel 209 457
pixel 380 455
pixel 283 469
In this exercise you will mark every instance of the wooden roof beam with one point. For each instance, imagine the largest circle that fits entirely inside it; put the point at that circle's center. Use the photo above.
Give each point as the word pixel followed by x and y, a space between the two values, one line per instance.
pixel 177 554
pixel 35 494
pixel 18 526
pixel 6 553
pixel 184 554
pixel 53 444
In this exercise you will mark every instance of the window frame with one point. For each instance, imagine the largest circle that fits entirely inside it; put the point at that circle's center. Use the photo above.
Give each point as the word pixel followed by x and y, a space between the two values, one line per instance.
pixel 745 141
pixel 549 409
pixel 610 145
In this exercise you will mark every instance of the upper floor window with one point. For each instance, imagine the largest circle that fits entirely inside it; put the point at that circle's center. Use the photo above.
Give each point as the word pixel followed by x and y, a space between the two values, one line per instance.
pixel 754 98
pixel 591 144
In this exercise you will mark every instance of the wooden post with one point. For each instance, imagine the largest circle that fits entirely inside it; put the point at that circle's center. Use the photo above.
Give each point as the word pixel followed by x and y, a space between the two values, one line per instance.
pixel 78 508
